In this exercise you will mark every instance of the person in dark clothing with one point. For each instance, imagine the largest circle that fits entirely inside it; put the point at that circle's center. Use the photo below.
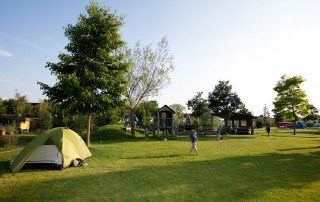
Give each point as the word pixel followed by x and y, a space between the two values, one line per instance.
pixel 268 129
pixel 194 141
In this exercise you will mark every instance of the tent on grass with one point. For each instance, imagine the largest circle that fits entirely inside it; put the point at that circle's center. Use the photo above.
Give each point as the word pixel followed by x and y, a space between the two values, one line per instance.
pixel 56 148
pixel 299 125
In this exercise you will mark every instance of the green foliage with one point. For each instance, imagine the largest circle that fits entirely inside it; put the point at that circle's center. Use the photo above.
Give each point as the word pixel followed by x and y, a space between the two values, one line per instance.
pixel 216 122
pixel 313 113
pixel 10 142
pixel 63 118
pixel 223 102
pixel 206 118
pixel 90 77
pixel 10 139
pixel 180 110
pixel 259 122
pixel 266 113
pixel 19 107
pixel 44 115
pixel 243 110
pixel 145 111
pixel 198 105
pixel 291 101
pixel 111 116
pixel 2 107
pixel 277 116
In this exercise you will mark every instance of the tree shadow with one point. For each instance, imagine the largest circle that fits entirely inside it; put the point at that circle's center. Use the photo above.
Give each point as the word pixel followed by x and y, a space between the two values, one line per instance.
pixel 230 179
pixel 155 156
pixel 300 148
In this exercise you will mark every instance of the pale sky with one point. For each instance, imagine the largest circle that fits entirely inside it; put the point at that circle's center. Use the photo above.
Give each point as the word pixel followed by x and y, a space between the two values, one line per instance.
pixel 251 43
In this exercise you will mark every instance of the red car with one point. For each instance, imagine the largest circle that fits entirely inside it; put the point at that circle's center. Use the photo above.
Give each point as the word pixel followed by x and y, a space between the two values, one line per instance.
pixel 284 124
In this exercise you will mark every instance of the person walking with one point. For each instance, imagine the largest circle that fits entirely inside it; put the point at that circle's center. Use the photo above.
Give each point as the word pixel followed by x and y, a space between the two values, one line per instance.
pixel 194 141
pixel 268 129
pixel 219 133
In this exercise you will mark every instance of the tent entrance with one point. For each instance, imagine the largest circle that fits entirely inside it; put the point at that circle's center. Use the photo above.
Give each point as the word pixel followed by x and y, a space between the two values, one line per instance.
pixel 47 156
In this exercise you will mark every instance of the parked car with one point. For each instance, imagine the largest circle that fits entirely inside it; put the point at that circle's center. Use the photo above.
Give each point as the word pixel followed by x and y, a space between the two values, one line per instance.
pixel 284 124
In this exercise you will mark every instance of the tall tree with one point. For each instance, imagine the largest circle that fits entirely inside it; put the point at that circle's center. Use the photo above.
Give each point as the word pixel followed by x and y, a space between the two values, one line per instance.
pixel 44 114
pixel 90 77
pixel 291 101
pixel 149 73
pixel 198 105
pixel 266 113
pixel 223 102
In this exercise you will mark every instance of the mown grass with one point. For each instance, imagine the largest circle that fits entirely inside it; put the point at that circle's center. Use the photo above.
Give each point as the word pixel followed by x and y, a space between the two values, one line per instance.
pixel 282 167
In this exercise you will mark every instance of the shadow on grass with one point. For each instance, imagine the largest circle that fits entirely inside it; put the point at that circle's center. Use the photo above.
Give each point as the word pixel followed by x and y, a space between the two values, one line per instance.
pixel 228 179
pixel 298 131
pixel 4 167
pixel 292 136
pixel 155 156
pixel 300 148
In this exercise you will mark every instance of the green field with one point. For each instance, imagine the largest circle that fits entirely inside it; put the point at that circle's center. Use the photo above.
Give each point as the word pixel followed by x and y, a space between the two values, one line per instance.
pixel 283 167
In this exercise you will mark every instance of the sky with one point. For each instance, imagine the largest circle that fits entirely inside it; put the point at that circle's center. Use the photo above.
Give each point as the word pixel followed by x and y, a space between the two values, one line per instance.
pixel 250 43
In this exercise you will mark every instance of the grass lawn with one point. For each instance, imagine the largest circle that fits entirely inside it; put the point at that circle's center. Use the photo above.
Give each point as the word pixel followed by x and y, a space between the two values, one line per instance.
pixel 282 167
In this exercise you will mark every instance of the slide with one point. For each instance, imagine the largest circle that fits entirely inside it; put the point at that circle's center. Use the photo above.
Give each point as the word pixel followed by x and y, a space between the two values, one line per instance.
pixel 139 123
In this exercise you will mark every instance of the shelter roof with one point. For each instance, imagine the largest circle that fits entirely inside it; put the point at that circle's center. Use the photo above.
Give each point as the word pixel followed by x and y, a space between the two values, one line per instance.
pixel 165 108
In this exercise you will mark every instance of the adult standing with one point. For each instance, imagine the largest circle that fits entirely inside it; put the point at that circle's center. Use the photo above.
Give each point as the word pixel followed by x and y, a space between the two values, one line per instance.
pixel 268 129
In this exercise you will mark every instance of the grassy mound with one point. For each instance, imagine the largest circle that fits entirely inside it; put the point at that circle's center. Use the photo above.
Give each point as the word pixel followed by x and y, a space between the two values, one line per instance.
pixel 110 132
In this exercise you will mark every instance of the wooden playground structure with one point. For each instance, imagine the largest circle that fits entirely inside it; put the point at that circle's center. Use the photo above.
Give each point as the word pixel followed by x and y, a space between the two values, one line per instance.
pixel 163 123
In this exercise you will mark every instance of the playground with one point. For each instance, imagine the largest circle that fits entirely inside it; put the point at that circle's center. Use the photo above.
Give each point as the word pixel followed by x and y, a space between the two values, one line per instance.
pixel 282 167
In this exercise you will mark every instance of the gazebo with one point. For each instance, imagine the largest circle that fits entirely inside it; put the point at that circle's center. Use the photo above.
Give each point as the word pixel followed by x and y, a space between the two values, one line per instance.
pixel 242 123
pixel 163 121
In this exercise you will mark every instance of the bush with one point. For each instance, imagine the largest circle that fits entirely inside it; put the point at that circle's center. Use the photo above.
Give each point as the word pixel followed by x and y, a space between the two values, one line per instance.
pixel 8 140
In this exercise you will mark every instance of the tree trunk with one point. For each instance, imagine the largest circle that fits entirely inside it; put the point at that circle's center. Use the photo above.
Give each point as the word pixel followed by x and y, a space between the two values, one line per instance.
pixel 295 121
pixel 226 123
pixel 88 130
pixel 133 125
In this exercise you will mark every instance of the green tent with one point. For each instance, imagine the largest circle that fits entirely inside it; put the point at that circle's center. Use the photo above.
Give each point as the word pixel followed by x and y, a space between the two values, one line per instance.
pixel 58 146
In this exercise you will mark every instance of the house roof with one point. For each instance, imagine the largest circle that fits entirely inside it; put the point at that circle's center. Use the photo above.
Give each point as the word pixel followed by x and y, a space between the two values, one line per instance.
pixel 165 108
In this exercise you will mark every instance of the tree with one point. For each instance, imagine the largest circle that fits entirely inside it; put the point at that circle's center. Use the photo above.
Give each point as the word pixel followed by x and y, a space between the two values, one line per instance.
pixel 223 102
pixel 259 122
pixel 2 107
pixel 291 101
pixel 19 107
pixel 243 109
pixel 148 75
pixel 266 113
pixel 90 77
pixel 111 116
pixel 145 111
pixel 198 105
pixel 313 113
pixel 277 116
pixel 179 113
pixel 43 112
